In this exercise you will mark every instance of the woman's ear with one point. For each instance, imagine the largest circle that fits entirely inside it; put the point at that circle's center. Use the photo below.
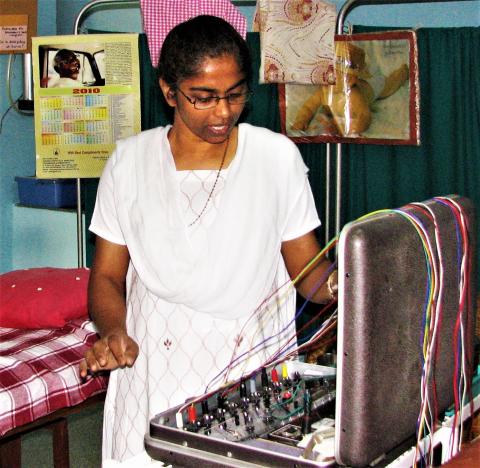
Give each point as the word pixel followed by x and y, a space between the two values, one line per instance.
pixel 168 93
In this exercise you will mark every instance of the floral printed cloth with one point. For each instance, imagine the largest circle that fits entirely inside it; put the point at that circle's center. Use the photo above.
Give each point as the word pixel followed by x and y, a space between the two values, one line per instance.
pixel 297 41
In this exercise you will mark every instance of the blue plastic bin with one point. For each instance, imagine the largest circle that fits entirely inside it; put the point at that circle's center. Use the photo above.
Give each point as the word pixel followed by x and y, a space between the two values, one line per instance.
pixel 47 193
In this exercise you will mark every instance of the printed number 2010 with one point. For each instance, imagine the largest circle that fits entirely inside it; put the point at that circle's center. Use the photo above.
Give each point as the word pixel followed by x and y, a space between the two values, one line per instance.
pixel 86 90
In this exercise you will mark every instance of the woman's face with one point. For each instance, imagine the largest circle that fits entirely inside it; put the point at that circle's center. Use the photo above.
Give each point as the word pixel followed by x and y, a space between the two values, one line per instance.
pixel 219 76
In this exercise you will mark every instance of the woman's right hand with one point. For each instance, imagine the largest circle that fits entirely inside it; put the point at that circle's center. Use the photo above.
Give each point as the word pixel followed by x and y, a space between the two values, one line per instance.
pixel 112 351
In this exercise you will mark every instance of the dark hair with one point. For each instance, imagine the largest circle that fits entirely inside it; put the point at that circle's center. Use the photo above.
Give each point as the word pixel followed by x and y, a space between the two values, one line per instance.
pixel 189 43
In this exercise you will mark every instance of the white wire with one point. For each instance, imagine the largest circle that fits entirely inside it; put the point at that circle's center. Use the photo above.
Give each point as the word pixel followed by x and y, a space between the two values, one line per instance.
pixel 462 293
pixel 268 306
pixel 13 102
pixel 266 303
pixel 438 307
pixel 425 398
pixel 456 442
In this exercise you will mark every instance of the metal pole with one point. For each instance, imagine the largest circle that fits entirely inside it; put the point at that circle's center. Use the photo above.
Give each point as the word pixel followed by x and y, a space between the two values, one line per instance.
pixel 28 79
pixel 349 5
pixel 80 231
pixel 338 198
pixel 94 3
pixel 80 235
pixel 327 192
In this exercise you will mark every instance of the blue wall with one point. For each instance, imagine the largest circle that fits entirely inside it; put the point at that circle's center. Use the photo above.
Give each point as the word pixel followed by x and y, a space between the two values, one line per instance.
pixel 17 149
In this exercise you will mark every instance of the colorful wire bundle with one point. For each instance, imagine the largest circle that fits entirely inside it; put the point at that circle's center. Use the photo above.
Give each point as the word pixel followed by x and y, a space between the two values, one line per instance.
pixel 432 321
pixel 461 377
pixel 424 220
pixel 289 347
pixel 277 296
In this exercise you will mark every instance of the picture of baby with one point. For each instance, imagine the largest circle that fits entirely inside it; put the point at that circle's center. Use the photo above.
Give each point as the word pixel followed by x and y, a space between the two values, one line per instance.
pixel 373 96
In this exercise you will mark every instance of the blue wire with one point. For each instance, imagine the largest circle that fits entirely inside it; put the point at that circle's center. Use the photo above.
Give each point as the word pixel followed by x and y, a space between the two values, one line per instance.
pixel 428 281
pixel 314 290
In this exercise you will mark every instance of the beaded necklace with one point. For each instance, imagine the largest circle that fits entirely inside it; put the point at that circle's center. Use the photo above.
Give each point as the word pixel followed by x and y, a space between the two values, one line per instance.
pixel 214 185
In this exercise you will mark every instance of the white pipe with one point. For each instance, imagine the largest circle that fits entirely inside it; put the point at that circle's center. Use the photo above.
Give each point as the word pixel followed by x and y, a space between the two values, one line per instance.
pixel 27 77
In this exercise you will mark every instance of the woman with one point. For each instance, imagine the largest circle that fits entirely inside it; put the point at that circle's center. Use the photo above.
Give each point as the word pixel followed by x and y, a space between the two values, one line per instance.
pixel 197 224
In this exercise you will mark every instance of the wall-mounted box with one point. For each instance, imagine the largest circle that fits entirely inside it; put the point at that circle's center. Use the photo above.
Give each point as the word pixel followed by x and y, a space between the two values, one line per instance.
pixel 48 193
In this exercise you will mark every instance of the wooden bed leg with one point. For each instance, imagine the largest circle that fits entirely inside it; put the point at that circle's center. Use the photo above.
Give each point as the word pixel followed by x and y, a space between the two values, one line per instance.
pixel 11 452
pixel 61 458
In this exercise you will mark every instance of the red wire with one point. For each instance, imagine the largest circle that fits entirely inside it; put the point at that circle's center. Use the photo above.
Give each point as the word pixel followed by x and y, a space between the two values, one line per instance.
pixel 435 317
pixel 464 298
pixel 265 301
pixel 305 325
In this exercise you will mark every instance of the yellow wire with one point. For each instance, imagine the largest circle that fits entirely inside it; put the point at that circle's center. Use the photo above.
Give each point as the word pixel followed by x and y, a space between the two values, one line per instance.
pixel 429 257
pixel 428 312
pixel 314 260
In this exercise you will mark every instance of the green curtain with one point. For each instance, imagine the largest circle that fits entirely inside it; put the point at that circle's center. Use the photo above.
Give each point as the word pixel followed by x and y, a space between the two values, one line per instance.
pixel 447 160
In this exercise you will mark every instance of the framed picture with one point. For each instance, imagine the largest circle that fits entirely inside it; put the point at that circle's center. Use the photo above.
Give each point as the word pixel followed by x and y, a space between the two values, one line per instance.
pixel 373 98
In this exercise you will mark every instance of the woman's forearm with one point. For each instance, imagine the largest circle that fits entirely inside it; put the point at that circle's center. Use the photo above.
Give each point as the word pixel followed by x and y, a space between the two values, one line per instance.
pixel 106 304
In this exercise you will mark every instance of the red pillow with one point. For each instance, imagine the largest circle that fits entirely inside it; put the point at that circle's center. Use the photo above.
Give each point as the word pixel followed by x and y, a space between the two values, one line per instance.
pixel 42 297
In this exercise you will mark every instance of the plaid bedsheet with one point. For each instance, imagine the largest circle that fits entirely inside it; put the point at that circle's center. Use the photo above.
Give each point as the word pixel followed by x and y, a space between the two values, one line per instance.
pixel 39 372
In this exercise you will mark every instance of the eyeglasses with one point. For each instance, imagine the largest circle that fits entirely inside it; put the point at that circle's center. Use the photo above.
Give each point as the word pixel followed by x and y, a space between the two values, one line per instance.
pixel 202 103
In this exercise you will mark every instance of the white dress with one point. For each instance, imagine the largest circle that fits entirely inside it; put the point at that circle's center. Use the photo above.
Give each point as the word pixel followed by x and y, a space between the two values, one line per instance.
pixel 183 351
